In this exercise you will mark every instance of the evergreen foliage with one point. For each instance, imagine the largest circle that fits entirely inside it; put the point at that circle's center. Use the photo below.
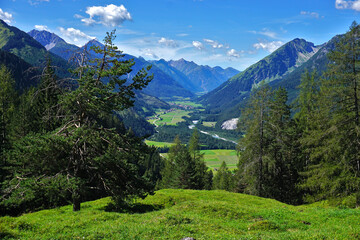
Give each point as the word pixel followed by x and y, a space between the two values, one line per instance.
pixel 267 165
pixel 68 145
pixel 224 179
pixel 185 167
pixel 335 159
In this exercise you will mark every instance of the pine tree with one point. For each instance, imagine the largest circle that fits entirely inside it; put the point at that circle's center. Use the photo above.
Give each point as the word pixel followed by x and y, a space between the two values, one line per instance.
pixel 198 159
pixel 223 179
pixel 8 97
pixel 335 166
pixel 254 145
pixel 86 155
pixel 268 164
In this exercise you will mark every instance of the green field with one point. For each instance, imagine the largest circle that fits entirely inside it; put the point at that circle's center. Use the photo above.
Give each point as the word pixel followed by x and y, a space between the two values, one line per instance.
pixel 158 144
pixel 176 214
pixel 170 118
pixel 214 158
pixel 209 124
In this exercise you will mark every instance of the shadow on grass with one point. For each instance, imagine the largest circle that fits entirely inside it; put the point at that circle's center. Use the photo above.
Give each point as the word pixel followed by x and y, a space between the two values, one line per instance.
pixel 133 208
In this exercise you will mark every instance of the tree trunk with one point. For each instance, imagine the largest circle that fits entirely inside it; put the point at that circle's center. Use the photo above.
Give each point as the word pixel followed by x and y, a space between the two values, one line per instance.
pixel 76 201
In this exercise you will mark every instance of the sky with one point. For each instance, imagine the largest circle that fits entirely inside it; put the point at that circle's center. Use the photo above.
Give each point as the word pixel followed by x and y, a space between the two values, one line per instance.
pixel 226 33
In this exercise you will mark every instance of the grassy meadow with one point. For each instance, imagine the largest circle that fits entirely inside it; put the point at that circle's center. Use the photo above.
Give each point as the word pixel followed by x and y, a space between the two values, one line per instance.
pixel 214 158
pixel 175 214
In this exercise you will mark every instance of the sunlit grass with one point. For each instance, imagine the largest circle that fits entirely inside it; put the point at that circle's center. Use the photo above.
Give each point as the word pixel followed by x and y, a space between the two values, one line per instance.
pixel 175 214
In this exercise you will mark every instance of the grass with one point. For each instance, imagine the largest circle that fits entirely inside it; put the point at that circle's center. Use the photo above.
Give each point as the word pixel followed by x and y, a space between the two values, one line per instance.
pixel 158 144
pixel 209 124
pixel 214 158
pixel 175 214
pixel 170 118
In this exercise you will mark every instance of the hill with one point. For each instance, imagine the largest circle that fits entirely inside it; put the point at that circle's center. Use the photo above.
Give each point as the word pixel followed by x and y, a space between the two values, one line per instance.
pixel 20 70
pixel 196 78
pixel 176 214
pixel 25 47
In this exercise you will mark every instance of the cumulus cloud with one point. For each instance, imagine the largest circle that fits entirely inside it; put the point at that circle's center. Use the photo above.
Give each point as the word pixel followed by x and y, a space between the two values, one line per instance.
pixel 168 42
pixel 346 4
pixel 268 46
pixel 266 32
pixel 5 16
pixel 213 43
pixel 198 45
pixel 233 53
pixel 75 36
pixel 41 27
pixel 110 15
pixel 310 14
pixel 149 53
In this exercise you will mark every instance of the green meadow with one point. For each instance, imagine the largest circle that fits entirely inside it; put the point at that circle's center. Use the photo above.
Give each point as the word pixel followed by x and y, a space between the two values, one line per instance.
pixel 175 214
pixel 214 158
pixel 170 118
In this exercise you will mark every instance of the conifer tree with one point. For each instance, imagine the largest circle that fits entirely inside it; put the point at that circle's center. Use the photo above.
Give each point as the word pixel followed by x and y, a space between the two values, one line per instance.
pixel 223 179
pixel 335 167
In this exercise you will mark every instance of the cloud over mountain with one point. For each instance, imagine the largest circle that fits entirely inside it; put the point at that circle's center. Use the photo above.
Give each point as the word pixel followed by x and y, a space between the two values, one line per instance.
pixel 5 16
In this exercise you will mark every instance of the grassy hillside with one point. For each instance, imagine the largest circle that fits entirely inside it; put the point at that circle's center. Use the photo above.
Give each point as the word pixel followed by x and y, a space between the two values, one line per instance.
pixel 175 214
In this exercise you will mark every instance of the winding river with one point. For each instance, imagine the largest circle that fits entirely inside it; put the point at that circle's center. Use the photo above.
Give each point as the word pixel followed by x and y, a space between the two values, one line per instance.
pixel 210 134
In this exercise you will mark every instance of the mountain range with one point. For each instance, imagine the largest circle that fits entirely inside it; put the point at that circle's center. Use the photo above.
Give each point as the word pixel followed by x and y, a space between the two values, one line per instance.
pixel 283 67
pixel 173 78
pixel 224 98
pixel 196 78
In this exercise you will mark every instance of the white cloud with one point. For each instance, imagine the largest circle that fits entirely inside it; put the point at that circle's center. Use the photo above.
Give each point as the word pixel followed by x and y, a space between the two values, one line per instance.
pixel 198 45
pixel 41 27
pixel 310 14
pixel 266 32
pixel 75 36
pixel 213 43
pixel 111 15
pixel 268 46
pixel 149 53
pixel 5 16
pixel 346 4
pixel 233 53
pixel 168 42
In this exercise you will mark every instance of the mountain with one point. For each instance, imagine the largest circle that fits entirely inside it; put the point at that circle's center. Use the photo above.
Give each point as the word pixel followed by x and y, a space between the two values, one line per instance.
pixel 177 75
pixel 197 78
pixel 25 47
pixel 20 70
pixel 273 67
pixel 54 43
pixel 162 85
pixel 290 81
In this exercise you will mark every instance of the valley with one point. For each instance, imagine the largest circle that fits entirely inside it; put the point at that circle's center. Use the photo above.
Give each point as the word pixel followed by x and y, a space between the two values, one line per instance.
pixel 178 124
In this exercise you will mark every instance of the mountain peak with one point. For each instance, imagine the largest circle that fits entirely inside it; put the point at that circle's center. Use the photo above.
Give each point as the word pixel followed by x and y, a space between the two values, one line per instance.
pixel 47 39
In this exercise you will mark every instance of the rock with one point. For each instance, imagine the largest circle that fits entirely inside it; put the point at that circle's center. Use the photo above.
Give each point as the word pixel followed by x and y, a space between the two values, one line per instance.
pixel 230 124
pixel 188 238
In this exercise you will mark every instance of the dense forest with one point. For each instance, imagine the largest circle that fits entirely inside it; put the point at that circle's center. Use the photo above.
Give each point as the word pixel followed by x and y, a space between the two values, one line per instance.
pixel 65 141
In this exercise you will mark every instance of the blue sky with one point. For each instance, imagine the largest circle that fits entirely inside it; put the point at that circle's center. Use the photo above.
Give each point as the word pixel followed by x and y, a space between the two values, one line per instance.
pixel 234 33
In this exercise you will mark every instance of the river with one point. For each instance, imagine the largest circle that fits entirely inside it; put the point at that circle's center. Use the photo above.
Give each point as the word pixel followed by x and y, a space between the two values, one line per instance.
pixel 192 126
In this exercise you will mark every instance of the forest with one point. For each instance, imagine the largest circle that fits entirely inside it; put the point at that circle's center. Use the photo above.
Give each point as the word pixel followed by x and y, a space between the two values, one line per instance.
pixel 64 140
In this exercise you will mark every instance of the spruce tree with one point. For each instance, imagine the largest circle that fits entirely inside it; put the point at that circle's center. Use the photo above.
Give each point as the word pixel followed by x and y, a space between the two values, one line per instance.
pixel 223 179
pixel 335 166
